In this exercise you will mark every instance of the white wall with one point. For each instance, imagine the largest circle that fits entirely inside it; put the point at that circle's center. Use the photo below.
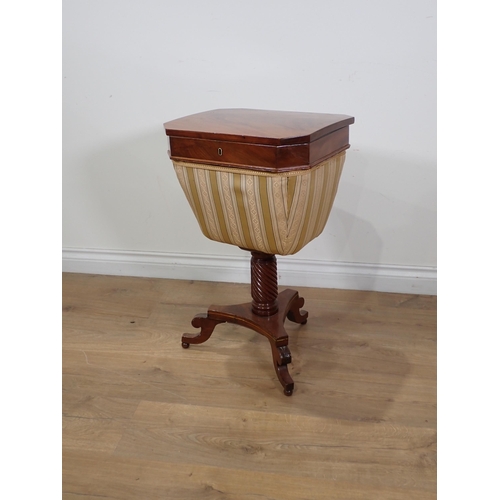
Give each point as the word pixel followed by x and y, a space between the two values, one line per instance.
pixel 129 66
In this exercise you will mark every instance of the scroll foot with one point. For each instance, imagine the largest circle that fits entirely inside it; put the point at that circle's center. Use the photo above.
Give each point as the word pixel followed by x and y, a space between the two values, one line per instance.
pixel 281 358
pixel 207 326
pixel 294 314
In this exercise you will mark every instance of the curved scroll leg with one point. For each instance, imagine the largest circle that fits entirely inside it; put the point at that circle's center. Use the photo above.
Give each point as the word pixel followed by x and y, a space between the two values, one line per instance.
pixel 281 358
pixel 294 314
pixel 207 326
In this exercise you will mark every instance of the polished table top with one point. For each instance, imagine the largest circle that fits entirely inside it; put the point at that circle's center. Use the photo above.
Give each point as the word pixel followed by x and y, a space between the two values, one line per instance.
pixel 273 141
pixel 257 126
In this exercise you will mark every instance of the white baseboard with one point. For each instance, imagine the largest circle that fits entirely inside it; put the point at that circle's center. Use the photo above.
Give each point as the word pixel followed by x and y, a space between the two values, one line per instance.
pixel 292 271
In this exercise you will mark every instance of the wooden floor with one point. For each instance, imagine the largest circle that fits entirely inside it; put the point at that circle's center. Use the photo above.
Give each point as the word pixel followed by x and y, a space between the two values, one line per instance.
pixel 145 419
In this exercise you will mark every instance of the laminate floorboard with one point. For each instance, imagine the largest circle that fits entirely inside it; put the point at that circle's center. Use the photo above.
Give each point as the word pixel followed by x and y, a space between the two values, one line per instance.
pixel 145 419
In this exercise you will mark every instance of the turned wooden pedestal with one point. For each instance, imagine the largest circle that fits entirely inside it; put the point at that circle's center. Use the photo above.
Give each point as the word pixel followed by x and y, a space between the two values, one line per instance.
pixel 265 314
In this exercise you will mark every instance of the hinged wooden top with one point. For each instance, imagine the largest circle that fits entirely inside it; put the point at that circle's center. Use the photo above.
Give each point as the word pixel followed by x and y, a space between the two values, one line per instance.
pixel 257 126
pixel 258 139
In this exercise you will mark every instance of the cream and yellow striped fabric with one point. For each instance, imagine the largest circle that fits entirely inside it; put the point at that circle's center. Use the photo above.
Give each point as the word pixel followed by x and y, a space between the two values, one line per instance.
pixel 272 213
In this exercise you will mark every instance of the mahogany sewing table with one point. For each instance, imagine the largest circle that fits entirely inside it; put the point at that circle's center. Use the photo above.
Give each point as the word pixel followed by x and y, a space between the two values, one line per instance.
pixel 264 181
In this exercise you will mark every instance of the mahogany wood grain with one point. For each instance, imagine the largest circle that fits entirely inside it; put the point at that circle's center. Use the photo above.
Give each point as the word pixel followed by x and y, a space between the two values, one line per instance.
pixel 256 139
pixel 257 126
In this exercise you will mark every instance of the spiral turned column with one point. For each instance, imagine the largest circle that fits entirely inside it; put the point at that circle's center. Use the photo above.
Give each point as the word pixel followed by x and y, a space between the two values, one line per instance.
pixel 264 283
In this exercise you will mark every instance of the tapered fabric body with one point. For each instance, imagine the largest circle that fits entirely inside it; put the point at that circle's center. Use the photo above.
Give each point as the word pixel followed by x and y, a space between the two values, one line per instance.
pixel 273 213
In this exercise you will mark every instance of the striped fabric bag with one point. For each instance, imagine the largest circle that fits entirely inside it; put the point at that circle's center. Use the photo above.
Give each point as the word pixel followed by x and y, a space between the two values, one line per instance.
pixel 273 213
